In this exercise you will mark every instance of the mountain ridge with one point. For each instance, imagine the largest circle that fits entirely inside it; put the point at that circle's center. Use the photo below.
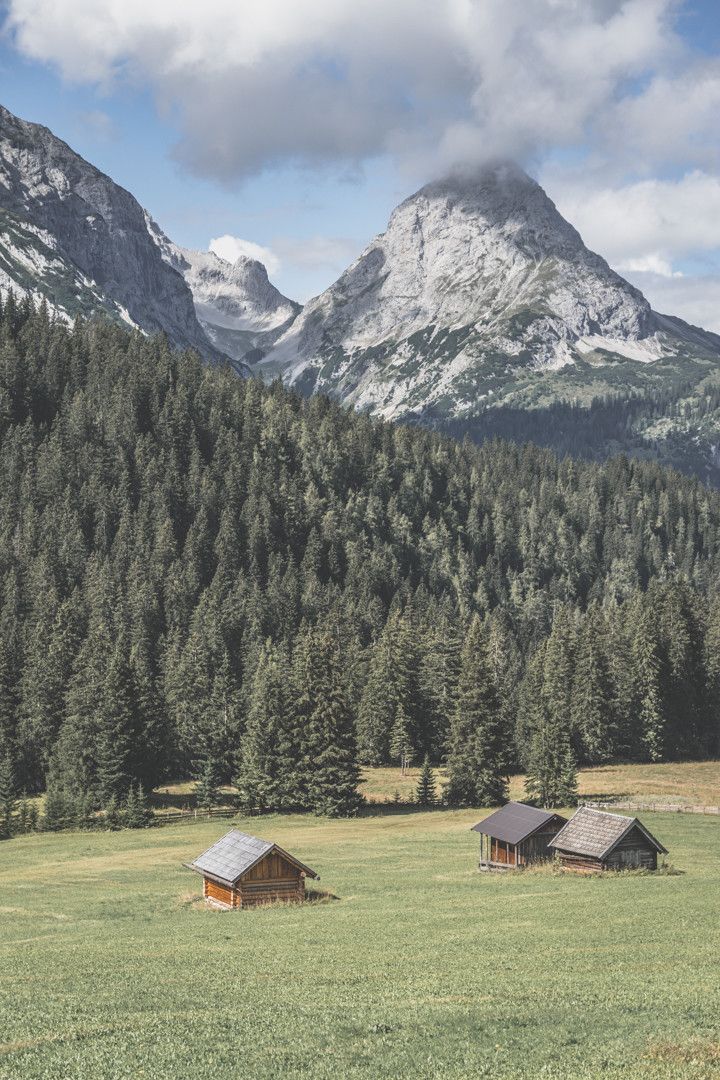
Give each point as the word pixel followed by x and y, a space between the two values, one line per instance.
pixel 72 236
pixel 475 280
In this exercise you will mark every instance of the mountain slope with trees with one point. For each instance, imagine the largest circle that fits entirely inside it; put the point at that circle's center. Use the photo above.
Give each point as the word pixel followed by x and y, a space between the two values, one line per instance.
pixel 187 558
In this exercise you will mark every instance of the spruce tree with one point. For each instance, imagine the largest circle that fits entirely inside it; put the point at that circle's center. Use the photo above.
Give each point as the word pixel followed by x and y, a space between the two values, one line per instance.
pixel 329 748
pixel 8 800
pixel 269 777
pixel 207 791
pixel 551 778
pixel 426 792
pixel 400 745
pixel 478 747
pixel 647 668
pixel 137 811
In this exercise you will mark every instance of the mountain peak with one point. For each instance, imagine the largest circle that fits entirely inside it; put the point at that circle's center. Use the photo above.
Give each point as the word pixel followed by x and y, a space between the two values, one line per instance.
pixel 477 281
pixel 69 234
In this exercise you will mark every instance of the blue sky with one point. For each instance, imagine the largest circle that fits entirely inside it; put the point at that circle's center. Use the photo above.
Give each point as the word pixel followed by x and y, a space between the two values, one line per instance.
pixel 123 134
pixel 297 127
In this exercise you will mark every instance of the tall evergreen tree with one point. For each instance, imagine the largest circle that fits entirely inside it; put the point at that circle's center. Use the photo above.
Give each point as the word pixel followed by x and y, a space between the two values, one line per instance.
pixel 269 777
pixel 551 776
pixel 479 744
pixel 8 800
pixel 329 753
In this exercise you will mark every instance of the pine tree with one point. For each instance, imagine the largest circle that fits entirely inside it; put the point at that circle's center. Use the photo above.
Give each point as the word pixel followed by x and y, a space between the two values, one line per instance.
pixel 270 747
pixel 647 667
pixel 426 792
pixel 207 791
pixel 329 749
pixel 551 776
pixel 478 744
pixel 400 746
pixel 137 813
pixel 116 723
pixel 592 695
pixel 113 816
pixel 8 799
pixel 59 809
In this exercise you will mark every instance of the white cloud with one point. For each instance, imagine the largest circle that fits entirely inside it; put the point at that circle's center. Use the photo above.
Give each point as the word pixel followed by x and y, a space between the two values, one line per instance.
pixel 647 225
pixel 694 299
pixel 231 248
pixel 98 124
pixel 434 82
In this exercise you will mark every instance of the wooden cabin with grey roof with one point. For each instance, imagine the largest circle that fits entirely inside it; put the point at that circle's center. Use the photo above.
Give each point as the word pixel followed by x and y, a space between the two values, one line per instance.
pixel 242 871
pixel 596 840
pixel 516 835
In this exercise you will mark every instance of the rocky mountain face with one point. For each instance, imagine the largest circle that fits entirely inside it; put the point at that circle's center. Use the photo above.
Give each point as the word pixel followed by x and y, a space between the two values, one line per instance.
pixel 69 234
pixel 238 307
pixel 478 291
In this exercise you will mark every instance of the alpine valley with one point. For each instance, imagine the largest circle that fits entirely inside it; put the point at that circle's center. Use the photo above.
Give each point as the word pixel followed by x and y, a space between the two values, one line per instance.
pixel 478 311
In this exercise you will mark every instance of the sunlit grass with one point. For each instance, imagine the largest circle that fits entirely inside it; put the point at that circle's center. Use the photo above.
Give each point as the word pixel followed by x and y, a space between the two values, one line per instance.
pixel 111 967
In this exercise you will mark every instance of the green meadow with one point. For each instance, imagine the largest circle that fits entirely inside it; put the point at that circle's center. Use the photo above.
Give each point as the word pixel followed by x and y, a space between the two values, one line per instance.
pixel 111 966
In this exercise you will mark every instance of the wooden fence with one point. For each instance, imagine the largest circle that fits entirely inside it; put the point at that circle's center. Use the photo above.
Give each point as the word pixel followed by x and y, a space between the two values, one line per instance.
pixel 654 807
pixel 161 818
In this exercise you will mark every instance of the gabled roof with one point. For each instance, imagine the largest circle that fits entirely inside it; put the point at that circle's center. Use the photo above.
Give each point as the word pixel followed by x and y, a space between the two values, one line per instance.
pixel 237 852
pixel 596 833
pixel 515 822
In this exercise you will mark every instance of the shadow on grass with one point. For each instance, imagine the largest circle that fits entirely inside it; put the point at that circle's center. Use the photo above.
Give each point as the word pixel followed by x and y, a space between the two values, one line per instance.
pixel 320 896
pixel 373 808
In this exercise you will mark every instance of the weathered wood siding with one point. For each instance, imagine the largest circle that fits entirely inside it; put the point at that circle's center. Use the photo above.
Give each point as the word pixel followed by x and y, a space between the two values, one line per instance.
pixel 535 848
pixel 584 864
pixel 633 853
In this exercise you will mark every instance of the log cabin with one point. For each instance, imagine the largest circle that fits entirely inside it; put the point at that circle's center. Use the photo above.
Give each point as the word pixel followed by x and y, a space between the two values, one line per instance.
pixel 516 835
pixel 595 840
pixel 241 871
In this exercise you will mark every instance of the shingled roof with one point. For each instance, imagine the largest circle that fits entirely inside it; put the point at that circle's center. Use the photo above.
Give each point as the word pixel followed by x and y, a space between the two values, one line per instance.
pixel 235 853
pixel 596 833
pixel 514 822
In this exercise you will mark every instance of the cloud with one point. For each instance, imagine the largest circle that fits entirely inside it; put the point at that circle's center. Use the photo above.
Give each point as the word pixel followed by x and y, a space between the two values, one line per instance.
pixel 645 226
pixel 231 248
pixel 98 124
pixel 694 299
pixel 431 82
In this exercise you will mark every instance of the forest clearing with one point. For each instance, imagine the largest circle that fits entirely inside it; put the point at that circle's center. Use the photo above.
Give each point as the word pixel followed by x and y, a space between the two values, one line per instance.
pixel 112 966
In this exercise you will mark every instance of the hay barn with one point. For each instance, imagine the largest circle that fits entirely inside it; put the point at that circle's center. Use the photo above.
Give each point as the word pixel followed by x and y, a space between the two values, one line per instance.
pixel 516 835
pixel 596 840
pixel 242 871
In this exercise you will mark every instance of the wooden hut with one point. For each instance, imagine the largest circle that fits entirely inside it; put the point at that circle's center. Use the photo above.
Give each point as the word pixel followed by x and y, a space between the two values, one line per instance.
pixel 241 871
pixel 516 835
pixel 596 840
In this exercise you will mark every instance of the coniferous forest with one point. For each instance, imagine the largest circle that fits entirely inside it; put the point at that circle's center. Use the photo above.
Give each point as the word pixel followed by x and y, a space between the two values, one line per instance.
pixel 203 576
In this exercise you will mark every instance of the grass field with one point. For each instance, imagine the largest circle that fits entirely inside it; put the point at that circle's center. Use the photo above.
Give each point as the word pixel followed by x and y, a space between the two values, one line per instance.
pixel 110 968
pixel 678 782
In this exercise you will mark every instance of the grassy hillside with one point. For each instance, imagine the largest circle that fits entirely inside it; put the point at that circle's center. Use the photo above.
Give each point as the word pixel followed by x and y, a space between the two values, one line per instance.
pixel 688 782
pixel 423 967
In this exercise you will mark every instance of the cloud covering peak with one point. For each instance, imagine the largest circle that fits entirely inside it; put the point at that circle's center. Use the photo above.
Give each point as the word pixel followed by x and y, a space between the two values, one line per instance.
pixel 434 83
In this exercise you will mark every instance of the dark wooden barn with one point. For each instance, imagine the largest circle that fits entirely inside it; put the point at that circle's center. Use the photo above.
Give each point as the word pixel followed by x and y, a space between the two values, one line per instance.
pixel 516 835
pixel 241 871
pixel 596 840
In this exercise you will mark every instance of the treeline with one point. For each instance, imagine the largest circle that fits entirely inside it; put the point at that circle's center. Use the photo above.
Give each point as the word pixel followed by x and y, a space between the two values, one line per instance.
pixel 204 576
pixel 675 425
